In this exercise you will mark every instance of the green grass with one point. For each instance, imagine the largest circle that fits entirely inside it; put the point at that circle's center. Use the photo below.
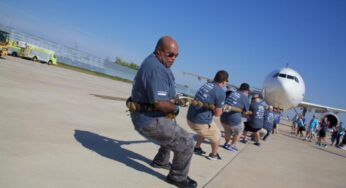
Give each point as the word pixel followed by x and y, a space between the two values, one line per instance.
pixel 78 69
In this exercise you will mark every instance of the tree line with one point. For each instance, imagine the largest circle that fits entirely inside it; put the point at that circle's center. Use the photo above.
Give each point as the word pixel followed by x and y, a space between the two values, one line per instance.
pixel 131 65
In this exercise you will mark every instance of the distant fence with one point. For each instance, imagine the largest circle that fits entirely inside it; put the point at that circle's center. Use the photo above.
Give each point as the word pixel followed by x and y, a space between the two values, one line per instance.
pixel 78 58
pixel 74 57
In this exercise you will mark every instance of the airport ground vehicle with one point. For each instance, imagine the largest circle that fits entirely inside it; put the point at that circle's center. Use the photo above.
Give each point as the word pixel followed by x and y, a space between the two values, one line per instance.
pixel 36 53
pixel 4 40
pixel 30 51
pixel 14 48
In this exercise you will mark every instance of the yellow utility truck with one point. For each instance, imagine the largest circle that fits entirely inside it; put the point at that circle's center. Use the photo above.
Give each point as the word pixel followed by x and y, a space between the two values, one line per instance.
pixel 36 53
pixel 4 38
pixel 14 47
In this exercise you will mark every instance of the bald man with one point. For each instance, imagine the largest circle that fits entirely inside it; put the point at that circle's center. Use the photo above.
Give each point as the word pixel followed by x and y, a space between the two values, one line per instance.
pixel 154 86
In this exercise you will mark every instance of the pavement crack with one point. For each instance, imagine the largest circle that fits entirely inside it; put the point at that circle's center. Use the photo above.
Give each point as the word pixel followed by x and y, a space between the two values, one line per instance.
pixel 211 179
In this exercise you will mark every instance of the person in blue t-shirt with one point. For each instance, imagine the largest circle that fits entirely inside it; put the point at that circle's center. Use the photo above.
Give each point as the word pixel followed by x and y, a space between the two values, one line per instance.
pixel 269 119
pixel 154 86
pixel 276 122
pixel 341 132
pixel 255 121
pixel 301 126
pixel 321 139
pixel 201 119
pixel 311 128
pixel 337 134
pixel 232 121
pixel 294 124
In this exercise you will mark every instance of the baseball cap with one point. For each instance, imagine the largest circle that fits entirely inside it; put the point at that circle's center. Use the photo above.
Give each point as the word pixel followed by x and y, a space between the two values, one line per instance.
pixel 244 86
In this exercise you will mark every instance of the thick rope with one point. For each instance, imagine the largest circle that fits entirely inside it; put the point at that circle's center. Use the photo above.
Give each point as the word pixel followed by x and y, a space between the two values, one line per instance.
pixel 183 102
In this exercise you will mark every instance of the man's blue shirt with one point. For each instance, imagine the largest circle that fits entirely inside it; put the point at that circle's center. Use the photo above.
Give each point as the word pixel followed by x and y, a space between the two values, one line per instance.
pixel 269 118
pixel 210 93
pixel 236 99
pixel 256 119
pixel 153 82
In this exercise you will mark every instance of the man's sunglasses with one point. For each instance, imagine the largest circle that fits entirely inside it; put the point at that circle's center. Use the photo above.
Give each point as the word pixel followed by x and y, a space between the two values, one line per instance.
pixel 171 54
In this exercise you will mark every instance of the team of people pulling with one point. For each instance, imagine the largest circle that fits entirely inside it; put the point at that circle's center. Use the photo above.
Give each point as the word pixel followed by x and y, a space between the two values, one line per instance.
pixel 153 106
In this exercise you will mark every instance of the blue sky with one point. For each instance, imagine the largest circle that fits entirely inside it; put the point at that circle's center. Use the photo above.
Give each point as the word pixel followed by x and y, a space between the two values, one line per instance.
pixel 247 38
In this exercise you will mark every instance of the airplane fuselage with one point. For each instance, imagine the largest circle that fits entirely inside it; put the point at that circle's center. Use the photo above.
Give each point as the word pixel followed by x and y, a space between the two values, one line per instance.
pixel 283 89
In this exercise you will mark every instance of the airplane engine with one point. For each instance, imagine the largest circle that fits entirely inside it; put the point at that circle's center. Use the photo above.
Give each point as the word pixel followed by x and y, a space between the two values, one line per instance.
pixel 333 118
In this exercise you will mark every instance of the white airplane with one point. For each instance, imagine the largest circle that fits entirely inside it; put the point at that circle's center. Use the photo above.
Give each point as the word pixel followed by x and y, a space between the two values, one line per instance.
pixel 284 89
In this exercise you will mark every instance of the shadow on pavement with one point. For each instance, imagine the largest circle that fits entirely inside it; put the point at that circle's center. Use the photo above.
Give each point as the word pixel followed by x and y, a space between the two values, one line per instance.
pixel 290 135
pixel 111 148
pixel 329 149
pixel 109 97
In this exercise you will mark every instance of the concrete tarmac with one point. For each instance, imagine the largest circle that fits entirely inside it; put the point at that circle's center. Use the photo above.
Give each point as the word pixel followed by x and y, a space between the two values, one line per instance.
pixel 61 128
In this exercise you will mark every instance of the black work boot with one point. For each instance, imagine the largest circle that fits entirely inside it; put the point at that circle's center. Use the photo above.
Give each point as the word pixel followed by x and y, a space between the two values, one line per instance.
pixel 187 183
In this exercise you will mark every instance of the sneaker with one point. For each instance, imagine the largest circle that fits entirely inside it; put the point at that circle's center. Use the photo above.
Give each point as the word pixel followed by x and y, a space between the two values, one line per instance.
pixel 226 146
pixel 257 144
pixel 243 141
pixel 234 148
pixel 214 157
pixel 199 151
pixel 157 165
pixel 229 147
pixel 187 183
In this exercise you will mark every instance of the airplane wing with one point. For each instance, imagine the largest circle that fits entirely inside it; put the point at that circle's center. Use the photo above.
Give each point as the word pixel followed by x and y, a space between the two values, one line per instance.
pixel 200 77
pixel 320 108
pixel 230 87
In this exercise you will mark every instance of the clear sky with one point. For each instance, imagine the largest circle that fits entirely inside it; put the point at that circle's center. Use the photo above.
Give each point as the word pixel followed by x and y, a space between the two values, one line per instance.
pixel 248 38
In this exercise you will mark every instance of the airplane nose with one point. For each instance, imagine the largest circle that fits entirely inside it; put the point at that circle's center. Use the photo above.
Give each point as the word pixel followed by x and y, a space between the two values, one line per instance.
pixel 281 90
pixel 275 95
pixel 279 94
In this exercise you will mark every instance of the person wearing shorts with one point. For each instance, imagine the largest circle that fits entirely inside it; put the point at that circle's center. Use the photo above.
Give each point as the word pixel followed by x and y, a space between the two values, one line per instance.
pixel 269 118
pixel 200 119
pixel 321 140
pixel 232 121
pixel 301 126
pixel 208 131
pixel 311 128
pixel 256 119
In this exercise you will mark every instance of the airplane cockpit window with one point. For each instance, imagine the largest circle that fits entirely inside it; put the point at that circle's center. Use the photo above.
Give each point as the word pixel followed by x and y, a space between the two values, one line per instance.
pixel 282 75
pixel 286 76
pixel 296 79
pixel 290 77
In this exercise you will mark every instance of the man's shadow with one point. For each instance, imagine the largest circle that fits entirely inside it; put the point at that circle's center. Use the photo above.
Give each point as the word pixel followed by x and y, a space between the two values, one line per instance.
pixel 111 148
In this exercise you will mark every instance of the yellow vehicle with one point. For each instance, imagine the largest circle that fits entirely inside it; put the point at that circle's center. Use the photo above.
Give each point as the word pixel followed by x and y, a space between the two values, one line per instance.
pixel 14 48
pixel 36 53
pixel 4 38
